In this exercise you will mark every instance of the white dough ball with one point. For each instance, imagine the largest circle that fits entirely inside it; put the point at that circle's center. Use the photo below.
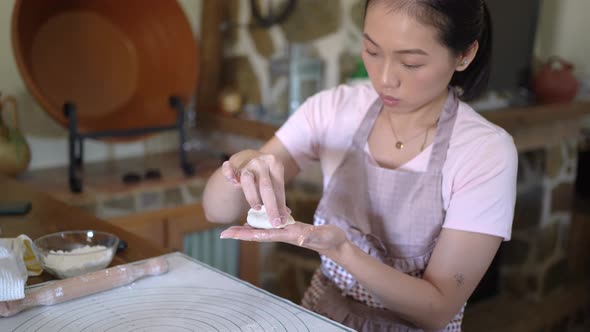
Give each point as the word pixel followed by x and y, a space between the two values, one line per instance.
pixel 259 219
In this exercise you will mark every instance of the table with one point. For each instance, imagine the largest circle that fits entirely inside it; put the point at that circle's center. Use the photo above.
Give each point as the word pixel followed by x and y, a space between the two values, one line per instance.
pixel 49 215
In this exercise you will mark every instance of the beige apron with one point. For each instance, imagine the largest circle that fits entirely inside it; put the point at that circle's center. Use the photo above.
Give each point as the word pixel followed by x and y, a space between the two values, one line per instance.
pixel 395 216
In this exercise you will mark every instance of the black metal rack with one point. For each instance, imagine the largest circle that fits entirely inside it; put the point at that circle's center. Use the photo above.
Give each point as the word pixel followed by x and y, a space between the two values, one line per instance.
pixel 76 140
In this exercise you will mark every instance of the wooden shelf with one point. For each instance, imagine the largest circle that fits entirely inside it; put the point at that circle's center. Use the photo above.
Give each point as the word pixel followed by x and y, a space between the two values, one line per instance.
pixel 225 123
pixel 518 117
pixel 104 178
pixel 531 127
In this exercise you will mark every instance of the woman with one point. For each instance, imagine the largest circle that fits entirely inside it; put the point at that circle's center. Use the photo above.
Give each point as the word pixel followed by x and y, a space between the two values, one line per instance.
pixel 419 189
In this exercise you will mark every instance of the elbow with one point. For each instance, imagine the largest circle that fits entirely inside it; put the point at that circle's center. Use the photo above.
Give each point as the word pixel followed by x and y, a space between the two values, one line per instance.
pixel 210 202
pixel 218 219
pixel 222 203
pixel 431 325
pixel 213 214
pixel 209 215
pixel 209 209
pixel 436 321
pixel 432 317
pixel 214 217
pixel 435 325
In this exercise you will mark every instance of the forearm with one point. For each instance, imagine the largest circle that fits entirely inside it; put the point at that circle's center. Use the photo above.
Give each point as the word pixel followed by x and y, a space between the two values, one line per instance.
pixel 223 202
pixel 413 299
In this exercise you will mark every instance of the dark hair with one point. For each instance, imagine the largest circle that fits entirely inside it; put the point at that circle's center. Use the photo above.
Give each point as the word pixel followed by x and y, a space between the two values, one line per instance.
pixel 460 23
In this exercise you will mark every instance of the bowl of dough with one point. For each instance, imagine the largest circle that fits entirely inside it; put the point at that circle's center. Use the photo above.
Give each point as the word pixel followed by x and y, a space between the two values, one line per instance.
pixel 72 253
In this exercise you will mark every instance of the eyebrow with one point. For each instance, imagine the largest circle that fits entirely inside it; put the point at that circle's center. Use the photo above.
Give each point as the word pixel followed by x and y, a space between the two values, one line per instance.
pixel 408 51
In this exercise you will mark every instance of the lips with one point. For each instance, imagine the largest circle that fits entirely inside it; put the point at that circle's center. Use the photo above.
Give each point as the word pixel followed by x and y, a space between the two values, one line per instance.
pixel 389 101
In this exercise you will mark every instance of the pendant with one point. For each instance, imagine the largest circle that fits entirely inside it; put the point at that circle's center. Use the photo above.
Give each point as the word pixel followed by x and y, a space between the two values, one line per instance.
pixel 399 145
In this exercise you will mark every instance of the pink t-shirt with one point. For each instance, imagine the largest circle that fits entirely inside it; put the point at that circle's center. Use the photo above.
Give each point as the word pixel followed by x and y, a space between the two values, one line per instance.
pixel 479 174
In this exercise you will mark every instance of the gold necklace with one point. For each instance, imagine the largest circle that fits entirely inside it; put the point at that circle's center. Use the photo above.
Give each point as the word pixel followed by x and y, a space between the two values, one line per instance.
pixel 400 145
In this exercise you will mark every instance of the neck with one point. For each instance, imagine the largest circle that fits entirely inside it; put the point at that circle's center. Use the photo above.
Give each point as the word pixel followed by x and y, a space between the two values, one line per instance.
pixel 421 118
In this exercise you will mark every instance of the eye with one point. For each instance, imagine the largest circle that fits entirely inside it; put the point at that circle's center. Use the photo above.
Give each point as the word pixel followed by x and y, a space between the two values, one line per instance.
pixel 412 66
pixel 370 53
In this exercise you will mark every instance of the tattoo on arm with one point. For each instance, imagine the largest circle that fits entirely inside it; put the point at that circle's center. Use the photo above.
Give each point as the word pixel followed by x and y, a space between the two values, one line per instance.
pixel 460 279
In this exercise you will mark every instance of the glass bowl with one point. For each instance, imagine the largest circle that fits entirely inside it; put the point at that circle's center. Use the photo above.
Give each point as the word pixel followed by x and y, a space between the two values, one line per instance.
pixel 72 253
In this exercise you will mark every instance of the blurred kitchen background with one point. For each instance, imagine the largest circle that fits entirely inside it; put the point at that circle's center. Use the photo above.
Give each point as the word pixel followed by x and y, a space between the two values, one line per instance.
pixel 247 65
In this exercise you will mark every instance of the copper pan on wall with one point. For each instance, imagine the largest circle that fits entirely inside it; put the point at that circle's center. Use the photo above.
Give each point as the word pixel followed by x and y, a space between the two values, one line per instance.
pixel 118 61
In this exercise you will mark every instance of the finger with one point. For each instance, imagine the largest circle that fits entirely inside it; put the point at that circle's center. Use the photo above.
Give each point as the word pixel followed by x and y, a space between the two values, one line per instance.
pixel 262 235
pixel 228 233
pixel 229 172
pixel 268 196
pixel 277 174
pixel 248 182
pixel 246 234
pixel 231 232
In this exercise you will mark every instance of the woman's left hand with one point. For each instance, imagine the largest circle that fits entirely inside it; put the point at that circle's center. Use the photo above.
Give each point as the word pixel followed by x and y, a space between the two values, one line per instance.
pixel 326 240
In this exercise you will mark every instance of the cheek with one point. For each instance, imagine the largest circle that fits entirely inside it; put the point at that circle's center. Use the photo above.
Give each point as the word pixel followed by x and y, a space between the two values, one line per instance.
pixel 433 78
pixel 371 64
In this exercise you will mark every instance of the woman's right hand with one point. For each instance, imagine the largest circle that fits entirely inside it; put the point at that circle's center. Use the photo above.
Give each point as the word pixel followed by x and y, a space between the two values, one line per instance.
pixel 261 177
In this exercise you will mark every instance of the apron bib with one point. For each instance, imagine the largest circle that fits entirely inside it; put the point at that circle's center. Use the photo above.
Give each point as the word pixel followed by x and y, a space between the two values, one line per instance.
pixel 395 216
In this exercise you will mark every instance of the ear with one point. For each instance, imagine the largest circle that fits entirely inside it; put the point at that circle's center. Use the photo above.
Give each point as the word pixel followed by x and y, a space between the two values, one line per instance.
pixel 465 59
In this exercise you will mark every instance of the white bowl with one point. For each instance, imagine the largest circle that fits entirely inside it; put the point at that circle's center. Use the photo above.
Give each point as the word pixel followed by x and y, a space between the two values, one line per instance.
pixel 72 253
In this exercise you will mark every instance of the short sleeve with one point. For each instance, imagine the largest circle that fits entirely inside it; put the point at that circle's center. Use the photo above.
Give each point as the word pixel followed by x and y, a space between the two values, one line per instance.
pixel 484 188
pixel 302 133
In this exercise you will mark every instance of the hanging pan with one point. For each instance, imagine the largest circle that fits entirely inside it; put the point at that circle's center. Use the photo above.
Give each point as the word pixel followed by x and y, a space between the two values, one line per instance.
pixel 118 61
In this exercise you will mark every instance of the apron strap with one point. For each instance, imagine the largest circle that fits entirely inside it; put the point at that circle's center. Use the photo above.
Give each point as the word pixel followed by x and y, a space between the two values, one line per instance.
pixel 444 132
pixel 362 134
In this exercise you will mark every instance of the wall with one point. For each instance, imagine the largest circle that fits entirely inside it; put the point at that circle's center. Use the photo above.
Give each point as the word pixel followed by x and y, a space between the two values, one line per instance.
pixel 47 139
pixel 563 30
pixel 332 27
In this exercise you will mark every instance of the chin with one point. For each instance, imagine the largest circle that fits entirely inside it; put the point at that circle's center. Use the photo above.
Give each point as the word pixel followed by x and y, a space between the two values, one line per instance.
pixel 397 109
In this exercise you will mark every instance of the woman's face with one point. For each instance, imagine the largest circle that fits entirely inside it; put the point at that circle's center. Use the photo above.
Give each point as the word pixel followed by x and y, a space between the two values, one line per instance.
pixel 407 64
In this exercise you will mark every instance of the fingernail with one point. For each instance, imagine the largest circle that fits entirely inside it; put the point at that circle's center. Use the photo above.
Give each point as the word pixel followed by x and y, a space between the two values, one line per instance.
pixel 223 235
pixel 288 210
pixel 257 207
pixel 233 181
pixel 276 222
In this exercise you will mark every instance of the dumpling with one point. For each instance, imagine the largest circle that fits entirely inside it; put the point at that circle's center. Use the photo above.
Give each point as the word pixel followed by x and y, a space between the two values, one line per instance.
pixel 259 219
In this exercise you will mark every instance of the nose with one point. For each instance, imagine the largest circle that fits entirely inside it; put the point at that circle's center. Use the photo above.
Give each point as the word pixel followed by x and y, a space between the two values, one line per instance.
pixel 389 76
